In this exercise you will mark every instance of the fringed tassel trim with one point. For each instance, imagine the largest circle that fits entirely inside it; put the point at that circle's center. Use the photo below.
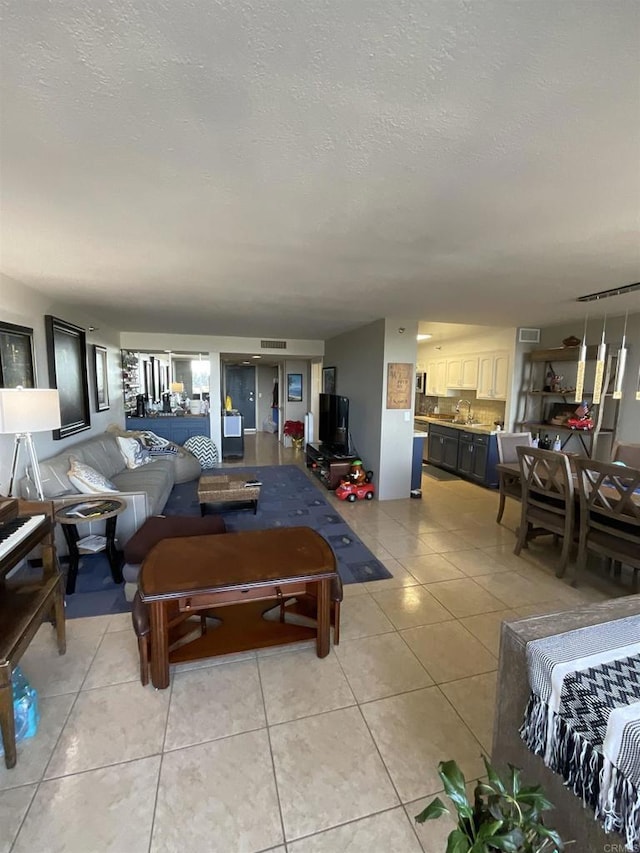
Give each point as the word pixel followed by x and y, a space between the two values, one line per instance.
pixel 533 730
pixel 618 806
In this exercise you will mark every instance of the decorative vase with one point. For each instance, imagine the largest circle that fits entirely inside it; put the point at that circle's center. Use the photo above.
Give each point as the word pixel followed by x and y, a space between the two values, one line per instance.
pixel 297 443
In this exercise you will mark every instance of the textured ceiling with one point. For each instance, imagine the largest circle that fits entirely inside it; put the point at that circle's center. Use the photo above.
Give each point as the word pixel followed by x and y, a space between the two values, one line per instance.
pixel 298 167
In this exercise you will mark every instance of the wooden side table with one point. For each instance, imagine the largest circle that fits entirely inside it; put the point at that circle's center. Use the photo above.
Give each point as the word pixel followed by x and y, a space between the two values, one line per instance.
pixel 82 512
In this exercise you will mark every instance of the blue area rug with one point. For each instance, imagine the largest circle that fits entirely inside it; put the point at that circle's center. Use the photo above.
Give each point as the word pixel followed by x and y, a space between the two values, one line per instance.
pixel 287 499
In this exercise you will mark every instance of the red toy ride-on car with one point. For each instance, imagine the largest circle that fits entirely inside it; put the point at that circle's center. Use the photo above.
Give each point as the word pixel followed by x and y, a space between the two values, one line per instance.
pixel 351 492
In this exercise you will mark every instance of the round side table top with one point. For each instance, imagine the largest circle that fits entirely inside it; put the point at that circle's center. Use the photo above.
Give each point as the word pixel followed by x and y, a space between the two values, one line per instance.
pixel 90 509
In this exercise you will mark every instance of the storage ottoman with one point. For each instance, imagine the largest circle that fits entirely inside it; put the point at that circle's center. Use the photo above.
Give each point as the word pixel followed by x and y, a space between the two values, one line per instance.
pixel 156 528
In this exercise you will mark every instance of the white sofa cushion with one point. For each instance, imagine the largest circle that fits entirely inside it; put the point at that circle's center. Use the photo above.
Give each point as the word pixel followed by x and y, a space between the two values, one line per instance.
pixel 87 480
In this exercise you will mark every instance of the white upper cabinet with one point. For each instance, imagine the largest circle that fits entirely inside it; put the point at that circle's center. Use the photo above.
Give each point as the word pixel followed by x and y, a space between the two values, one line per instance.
pixel 493 376
pixel 462 372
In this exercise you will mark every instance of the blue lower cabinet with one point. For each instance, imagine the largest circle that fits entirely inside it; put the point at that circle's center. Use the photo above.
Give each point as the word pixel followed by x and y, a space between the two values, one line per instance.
pixel 468 454
pixel 416 462
pixel 176 429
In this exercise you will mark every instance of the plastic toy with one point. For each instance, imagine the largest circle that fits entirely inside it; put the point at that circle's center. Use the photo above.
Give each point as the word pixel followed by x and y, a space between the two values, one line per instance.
pixel 581 418
pixel 352 492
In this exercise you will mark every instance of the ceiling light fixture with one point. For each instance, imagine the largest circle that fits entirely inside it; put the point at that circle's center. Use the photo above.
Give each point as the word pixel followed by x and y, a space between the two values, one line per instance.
pixel 256 356
pixel 605 294
pixel 423 337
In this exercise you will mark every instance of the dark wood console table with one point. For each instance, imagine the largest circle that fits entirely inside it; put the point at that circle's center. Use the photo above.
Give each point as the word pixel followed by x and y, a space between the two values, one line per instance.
pixel 329 467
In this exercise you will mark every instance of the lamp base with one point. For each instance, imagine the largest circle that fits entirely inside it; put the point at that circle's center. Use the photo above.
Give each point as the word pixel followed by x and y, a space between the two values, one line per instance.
pixel 26 439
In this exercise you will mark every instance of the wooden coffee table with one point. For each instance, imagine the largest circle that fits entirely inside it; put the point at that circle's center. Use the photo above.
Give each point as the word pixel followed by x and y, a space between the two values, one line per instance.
pixel 227 488
pixel 232 576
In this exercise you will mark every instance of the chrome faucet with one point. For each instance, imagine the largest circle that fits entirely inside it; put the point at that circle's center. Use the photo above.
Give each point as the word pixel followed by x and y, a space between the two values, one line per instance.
pixel 468 403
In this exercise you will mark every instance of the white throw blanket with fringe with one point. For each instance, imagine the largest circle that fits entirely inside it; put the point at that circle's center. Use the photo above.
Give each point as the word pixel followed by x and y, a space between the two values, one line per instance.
pixel 583 718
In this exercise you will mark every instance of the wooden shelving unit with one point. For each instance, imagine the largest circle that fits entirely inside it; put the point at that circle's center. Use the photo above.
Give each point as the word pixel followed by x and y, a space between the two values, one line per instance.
pixel 536 402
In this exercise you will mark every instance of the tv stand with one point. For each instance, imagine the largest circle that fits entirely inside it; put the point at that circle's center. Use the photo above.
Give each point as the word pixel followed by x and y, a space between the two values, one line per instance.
pixel 330 467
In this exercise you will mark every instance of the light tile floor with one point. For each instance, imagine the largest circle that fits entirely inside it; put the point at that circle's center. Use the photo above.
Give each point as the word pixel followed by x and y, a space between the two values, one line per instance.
pixel 280 750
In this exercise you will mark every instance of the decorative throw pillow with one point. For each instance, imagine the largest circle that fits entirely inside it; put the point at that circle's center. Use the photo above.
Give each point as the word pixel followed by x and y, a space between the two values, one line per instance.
pixel 152 440
pixel 203 449
pixel 87 480
pixel 134 452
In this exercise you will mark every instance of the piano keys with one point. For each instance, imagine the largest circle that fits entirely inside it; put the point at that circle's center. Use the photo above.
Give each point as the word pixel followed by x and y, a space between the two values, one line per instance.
pixel 19 534
pixel 23 526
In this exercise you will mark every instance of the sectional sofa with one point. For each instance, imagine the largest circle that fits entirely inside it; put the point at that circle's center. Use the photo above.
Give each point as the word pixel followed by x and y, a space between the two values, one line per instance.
pixel 145 489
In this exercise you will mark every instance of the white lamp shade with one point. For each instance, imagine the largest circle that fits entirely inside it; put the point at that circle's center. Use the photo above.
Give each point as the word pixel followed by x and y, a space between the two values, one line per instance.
pixel 29 410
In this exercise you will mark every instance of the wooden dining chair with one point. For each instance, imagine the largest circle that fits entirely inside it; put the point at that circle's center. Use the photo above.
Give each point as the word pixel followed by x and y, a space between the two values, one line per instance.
pixel 509 484
pixel 626 452
pixel 548 499
pixel 609 514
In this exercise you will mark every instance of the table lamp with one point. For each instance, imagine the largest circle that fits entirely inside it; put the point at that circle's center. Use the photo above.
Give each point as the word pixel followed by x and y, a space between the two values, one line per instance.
pixel 24 411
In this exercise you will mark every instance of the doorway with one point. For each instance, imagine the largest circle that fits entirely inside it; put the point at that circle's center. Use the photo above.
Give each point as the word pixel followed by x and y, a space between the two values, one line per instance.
pixel 240 385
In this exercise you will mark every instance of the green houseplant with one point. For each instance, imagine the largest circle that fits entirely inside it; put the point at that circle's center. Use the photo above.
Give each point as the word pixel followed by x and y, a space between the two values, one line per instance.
pixel 503 816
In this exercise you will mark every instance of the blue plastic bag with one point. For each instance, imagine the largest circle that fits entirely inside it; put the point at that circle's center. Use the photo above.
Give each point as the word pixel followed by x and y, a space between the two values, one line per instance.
pixel 25 707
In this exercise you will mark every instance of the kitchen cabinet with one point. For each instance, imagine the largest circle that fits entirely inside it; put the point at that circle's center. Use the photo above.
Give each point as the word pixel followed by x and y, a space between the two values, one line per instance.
pixel 437 378
pixel 471 455
pixel 493 376
pixel 443 447
pixel 462 373
pixel 173 427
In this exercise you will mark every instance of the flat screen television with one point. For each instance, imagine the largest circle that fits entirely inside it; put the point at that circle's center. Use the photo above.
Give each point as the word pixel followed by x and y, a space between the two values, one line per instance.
pixel 334 422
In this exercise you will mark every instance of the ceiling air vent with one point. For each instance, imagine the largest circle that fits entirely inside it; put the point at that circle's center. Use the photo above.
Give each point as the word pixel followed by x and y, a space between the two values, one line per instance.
pixel 273 344
pixel 529 336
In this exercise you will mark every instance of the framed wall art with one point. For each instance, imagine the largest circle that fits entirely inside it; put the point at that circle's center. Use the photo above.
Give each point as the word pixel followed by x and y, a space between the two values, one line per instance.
pixel 328 380
pixel 101 373
pixel 294 387
pixel 67 357
pixel 16 356
pixel 399 385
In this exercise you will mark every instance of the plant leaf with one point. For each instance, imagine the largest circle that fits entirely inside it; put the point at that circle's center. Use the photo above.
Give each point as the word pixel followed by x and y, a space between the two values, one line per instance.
pixel 509 842
pixel 458 842
pixel 552 835
pixel 515 780
pixel 487 830
pixel 454 786
pixel 493 777
pixel 434 810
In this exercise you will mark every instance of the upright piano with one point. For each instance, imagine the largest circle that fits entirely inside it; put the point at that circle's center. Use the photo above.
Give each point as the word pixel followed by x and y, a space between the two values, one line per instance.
pixel 25 525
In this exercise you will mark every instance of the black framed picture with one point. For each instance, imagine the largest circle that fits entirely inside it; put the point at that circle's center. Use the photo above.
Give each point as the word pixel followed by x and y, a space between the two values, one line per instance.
pixel 67 357
pixel 101 373
pixel 328 380
pixel 16 356
pixel 294 387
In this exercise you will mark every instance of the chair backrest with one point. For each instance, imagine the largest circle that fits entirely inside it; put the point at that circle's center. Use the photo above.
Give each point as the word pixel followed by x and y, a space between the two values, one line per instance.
pixel 626 452
pixel 609 496
pixel 507 443
pixel 546 480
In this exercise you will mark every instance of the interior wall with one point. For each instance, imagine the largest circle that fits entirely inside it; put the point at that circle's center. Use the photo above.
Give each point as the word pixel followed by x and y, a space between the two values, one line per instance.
pixel 358 357
pixel 265 378
pixel 382 437
pixel 291 410
pixel 396 445
pixel 27 307
pixel 629 412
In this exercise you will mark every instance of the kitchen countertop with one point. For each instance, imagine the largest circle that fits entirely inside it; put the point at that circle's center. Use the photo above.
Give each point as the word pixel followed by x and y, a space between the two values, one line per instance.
pixel 482 429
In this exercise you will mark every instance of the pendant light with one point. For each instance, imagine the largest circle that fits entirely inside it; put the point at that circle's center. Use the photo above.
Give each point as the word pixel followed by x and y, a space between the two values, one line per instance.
pixel 582 363
pixel 600 357
pixel 622 361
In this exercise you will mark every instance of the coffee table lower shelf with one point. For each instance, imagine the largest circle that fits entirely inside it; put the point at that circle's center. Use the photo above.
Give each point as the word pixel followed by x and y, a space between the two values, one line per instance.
pixel 242 628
